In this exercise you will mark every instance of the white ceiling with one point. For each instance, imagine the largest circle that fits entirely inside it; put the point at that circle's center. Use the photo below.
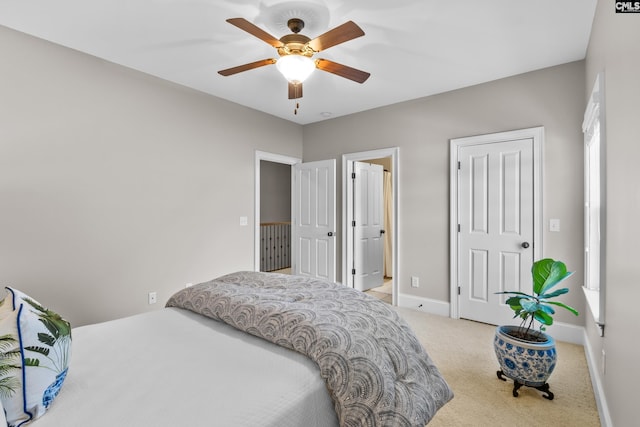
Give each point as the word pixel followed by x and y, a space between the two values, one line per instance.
pixel 412 48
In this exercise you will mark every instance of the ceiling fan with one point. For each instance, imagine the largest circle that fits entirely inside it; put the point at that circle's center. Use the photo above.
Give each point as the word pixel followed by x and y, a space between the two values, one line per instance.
pixel 296 50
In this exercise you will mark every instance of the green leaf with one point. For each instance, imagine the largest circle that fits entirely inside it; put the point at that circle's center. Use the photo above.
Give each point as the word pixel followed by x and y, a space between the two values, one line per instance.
pixel 555 293
pixel 530 306
pixel 543 318
pixel 540 271
pixel 559 304
pixel 547 273
pixel 54 323
pixel 551 282
pixel 31 362
pixel 515 293
pixel 46 339
pixel 514 302
pixel 41 350
pixel 545 308
pixel 7 342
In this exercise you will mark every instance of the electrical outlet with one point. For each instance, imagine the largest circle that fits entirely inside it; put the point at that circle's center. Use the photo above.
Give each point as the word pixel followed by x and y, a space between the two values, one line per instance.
pixel 554 225
pixel 153 297
pixel 415 282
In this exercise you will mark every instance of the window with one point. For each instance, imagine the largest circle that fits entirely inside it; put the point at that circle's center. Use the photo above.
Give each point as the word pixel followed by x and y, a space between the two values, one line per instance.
pixel 592 127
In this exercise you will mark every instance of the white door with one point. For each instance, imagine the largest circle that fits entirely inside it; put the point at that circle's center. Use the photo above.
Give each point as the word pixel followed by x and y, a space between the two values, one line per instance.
pixel 368 226
pixel 496 226
pixel 314 216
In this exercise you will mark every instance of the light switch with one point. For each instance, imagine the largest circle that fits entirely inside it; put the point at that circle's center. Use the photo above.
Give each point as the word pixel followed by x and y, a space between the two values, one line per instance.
pixel 554 225
pixel 244 220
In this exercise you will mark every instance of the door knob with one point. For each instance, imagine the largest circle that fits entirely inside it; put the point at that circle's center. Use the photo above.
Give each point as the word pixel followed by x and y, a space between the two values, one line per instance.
pixel 525 245
pixel 331 234
pixel 382 232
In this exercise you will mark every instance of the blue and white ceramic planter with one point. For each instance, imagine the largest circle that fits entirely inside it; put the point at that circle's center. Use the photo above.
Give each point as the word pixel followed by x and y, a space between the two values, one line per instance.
pixel 527 363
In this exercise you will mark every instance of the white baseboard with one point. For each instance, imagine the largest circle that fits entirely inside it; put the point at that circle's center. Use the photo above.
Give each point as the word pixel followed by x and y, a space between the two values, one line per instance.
pixel 560 331
pixel 424 304
pixel 567 333
pixel 596 383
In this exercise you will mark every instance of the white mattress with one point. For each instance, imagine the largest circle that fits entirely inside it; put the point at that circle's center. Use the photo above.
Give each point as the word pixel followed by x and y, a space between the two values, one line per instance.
pixel 177 368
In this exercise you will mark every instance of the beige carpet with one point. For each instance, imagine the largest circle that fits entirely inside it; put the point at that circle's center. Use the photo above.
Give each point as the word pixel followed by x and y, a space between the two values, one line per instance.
pixel 463 351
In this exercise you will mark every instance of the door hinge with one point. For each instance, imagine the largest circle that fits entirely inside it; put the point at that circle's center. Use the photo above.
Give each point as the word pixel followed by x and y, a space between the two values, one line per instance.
pixel 353 271
pixel 353 175
pixel 353 223
pixel 459 167
pixel 459 290
pixel 458 228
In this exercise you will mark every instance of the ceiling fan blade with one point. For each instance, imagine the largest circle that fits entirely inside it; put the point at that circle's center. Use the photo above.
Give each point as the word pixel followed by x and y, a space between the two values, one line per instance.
pixel 246 67
pixel 342 70
pixel 295 90
pixel 254 30
pixel 345 32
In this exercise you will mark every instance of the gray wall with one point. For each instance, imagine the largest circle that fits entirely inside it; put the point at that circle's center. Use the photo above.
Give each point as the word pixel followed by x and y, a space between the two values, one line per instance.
pixel 614 49
pixel 275 192
pixel 114 183
pixel 422 129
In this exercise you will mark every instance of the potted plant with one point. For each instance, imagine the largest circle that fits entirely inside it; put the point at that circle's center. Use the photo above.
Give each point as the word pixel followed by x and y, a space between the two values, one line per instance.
pixel 526 355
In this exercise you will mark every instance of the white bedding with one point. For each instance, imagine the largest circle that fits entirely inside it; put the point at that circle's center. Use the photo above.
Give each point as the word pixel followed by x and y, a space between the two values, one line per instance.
pixel 172 367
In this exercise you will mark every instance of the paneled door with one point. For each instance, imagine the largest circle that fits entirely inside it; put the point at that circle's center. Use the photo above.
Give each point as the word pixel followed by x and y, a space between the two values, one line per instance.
pixel 314 219
pixel 495 226
pixel 368 226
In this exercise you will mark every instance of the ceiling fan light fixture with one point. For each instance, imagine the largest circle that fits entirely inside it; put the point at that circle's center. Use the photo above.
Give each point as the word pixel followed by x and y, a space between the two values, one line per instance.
pixel 295 68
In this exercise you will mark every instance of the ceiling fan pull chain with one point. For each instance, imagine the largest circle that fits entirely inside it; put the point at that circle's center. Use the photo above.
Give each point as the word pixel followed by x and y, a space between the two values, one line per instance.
pixel 295 110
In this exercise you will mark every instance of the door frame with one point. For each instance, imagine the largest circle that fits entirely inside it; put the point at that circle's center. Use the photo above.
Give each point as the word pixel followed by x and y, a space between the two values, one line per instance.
pixel 347 212
pixel 275 158
pixel 535 133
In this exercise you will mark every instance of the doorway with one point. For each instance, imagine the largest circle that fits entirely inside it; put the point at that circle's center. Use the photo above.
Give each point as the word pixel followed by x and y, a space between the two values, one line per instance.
pixel 388 154
pixel 275 159
pixel 495 226
pixel 275 217
pixel 389 158
pixel 368 224
pixel 313 218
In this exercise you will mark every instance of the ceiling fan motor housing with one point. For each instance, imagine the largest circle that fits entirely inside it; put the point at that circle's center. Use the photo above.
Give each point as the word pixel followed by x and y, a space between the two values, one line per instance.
pixel 295 44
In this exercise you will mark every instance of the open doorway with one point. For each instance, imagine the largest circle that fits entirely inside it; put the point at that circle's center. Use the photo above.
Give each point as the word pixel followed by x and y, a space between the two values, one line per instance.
pixel 313 215
pixel 275 217
pixel 353 250
pixel 273 198
pixel 388 154
pixel 383 287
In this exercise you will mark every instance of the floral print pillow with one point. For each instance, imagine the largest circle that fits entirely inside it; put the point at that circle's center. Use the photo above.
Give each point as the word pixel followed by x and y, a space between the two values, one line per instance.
pixel 35 347
pixel 3 418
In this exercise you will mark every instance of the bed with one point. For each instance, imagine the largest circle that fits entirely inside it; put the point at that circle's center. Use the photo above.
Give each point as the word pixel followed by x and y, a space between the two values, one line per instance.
pixel 251 349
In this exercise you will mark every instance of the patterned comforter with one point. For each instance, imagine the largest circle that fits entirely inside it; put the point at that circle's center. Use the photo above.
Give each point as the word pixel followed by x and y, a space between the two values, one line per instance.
pixel 376 371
